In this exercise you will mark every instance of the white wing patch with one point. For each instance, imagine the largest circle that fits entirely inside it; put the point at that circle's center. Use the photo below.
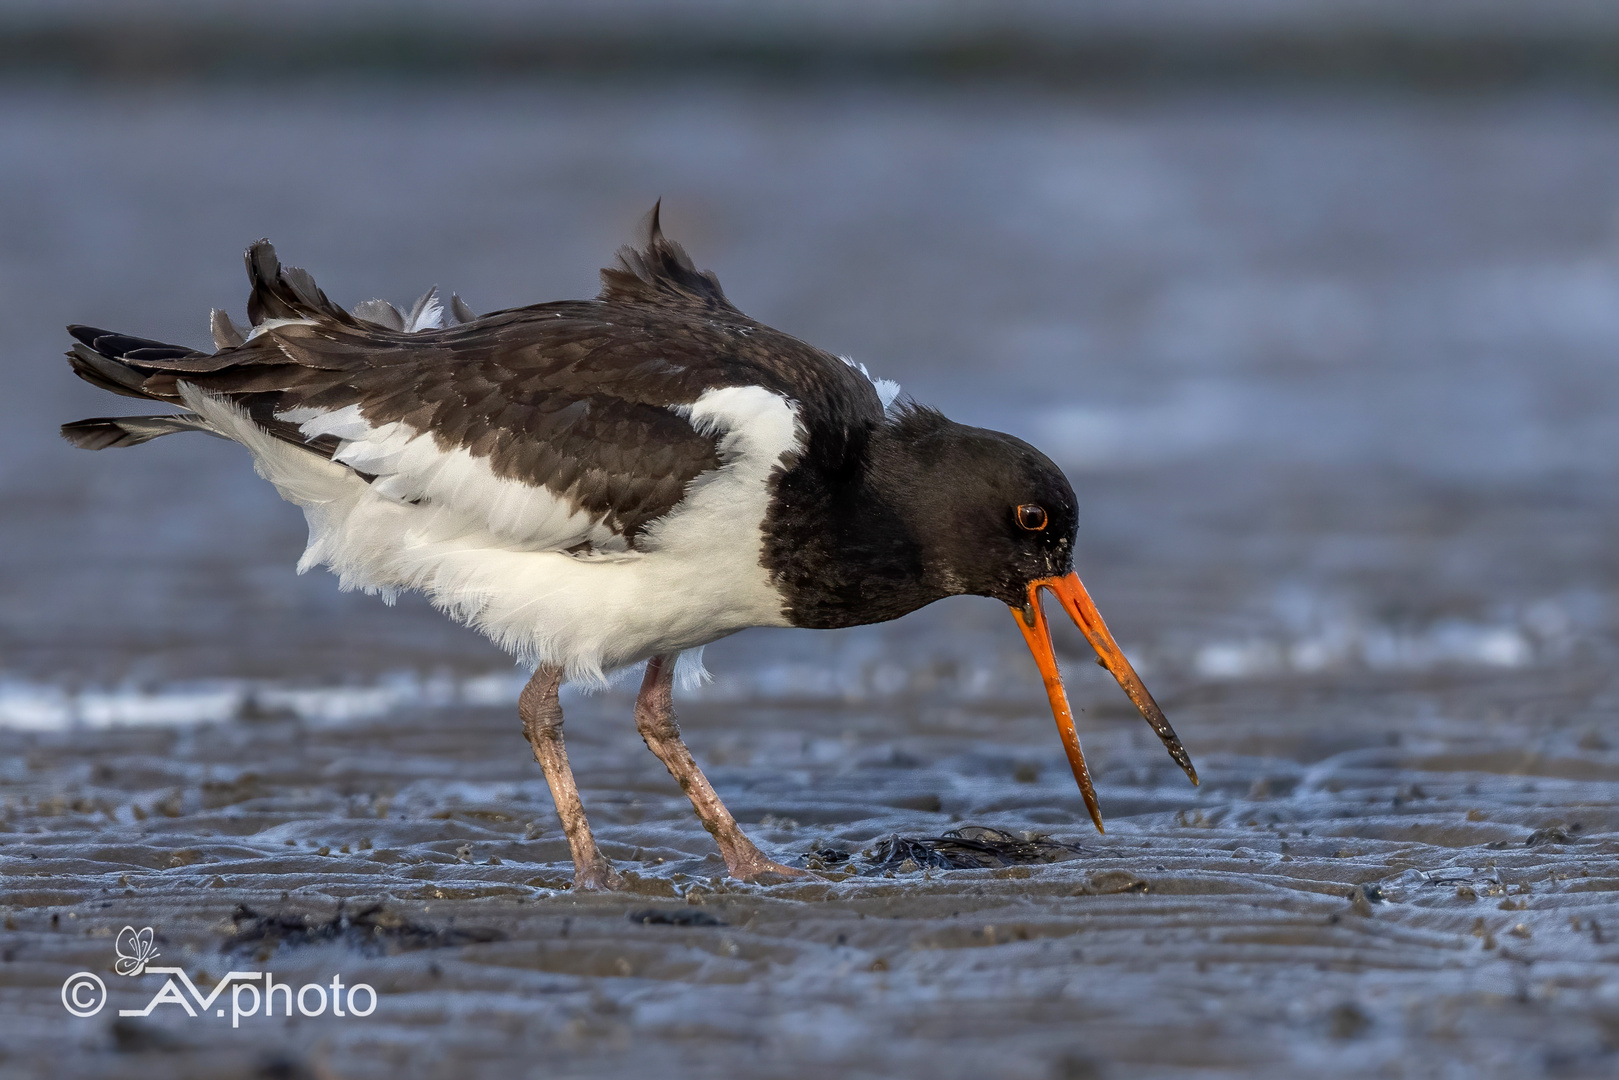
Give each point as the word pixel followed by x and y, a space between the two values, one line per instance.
pixel 455 491
pixel 887 389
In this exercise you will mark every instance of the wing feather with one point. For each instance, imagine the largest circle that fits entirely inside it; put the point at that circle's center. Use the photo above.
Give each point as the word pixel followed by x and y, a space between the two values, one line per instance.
pixel 566 416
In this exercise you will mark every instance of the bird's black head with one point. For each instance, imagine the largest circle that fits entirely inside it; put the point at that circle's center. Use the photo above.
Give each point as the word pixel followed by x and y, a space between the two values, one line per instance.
pixel 989 513
pixel 933 509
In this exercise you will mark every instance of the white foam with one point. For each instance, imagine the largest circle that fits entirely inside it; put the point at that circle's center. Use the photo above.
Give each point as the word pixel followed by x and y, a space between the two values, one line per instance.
pixel 865 668
pixel 26 706
pixel 122 708
pixel 35 706
pixel 1449 642
pixel 32 706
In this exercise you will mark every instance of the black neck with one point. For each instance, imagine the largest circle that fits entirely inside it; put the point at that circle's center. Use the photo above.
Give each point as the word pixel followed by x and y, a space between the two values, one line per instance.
pixel 846 539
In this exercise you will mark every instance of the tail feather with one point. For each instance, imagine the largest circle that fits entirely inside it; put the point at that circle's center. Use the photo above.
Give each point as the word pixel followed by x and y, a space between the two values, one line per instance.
pixel 106 373
pixel 144 368
pixel 131 366
pixel 104 432
pixel 126 347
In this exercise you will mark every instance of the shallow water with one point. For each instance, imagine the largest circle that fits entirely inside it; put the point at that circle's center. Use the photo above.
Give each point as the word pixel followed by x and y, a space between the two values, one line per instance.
pixel 1333 378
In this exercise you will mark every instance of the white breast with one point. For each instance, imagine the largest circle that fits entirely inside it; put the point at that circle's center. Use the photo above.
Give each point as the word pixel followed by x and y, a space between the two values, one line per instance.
pixel 490 551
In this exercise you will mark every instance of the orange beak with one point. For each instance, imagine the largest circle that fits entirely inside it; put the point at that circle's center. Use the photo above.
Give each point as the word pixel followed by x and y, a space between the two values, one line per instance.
pixel 1031 619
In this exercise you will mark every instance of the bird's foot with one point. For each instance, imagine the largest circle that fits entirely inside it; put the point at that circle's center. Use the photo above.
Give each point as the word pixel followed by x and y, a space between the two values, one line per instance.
pixel 597 875
pixel 774 873
pixel 754 866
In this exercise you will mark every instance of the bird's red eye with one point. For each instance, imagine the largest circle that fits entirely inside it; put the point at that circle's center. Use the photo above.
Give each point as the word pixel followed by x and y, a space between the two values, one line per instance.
pixel 1031 517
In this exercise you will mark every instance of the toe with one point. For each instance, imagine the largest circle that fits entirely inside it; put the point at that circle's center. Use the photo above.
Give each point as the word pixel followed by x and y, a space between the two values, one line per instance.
pixel 768 872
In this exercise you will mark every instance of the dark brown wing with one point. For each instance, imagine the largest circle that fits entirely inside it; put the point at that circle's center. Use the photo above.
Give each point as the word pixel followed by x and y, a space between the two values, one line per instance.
pixel 573 396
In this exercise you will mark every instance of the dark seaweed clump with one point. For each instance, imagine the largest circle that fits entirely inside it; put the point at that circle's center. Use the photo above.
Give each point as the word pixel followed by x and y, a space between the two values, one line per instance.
pixel 375 930
pixel 970 847
pixel 688 916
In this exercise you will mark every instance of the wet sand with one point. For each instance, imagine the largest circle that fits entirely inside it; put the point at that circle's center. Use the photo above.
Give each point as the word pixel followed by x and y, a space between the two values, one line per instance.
pixel 1420 882
pixel 1334 379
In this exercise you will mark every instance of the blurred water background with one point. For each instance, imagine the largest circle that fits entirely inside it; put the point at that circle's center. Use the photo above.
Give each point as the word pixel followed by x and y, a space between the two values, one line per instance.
pixel 1316 302
pixel 1328 351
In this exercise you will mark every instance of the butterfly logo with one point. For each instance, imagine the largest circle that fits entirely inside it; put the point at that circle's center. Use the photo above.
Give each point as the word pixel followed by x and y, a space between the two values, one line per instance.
pixel 135 950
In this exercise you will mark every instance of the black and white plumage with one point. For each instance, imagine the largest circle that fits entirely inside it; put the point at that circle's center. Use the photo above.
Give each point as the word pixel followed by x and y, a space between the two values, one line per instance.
pixel 595 483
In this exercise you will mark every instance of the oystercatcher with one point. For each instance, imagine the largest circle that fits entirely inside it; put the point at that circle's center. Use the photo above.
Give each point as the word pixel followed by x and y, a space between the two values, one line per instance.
pixel 601 482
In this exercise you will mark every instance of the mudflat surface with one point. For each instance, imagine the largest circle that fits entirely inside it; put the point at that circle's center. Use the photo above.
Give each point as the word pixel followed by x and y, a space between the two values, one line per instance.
pixel 1334 378
pixel 1421 884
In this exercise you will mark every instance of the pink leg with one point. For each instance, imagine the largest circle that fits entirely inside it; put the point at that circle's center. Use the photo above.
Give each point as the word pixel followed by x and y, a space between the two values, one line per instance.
pixel 542 726
pixel 655 718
